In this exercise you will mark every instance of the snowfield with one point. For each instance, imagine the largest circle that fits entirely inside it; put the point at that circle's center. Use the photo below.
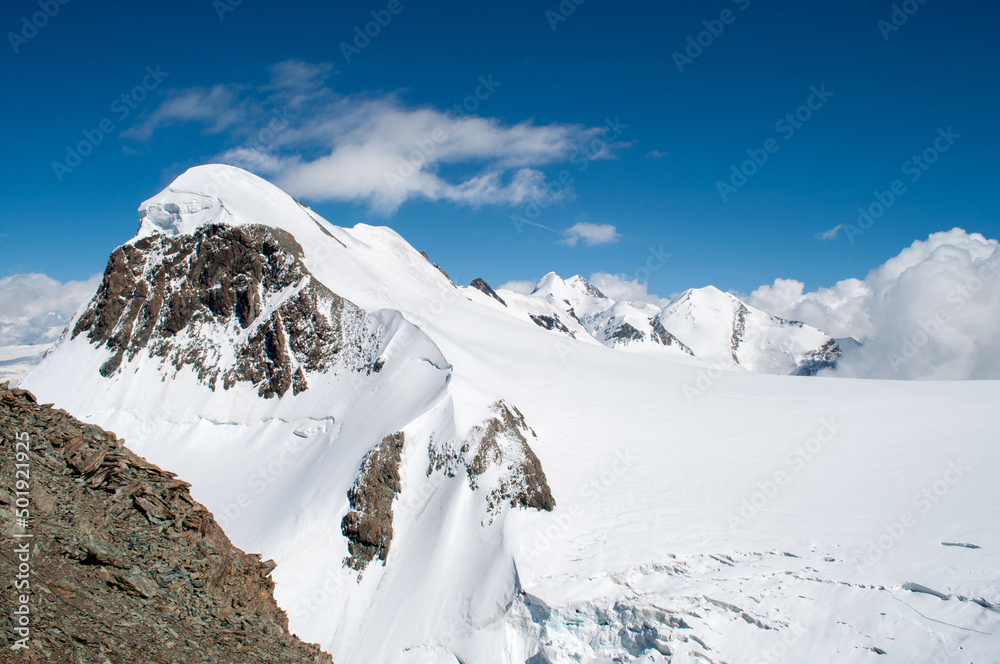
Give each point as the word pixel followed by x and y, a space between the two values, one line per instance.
pixel 701 514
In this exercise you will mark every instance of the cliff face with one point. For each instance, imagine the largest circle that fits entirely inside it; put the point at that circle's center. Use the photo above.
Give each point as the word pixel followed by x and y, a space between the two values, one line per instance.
pixel 231 303
pixel 125 566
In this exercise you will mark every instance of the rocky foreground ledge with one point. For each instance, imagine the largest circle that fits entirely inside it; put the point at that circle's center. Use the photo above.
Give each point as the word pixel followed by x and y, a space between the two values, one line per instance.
pixel 115 561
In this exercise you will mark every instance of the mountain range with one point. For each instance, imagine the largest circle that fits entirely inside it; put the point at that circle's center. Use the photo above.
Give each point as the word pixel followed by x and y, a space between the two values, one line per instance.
pixel 477 475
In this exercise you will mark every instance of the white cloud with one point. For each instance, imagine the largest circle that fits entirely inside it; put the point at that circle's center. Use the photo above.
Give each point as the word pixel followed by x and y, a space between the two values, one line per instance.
pixel 841 311
pixel 520 287
pixel 932 312
pixel 620 287
pixel 830 234
pixel 218 108
pixel 297 76
pixel 656 154
pixel 35 308
pixel 373 149
pixel 590 234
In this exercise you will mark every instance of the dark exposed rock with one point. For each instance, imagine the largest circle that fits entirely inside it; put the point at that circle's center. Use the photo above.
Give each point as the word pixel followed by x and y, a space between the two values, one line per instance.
pixel 502 441
pixel 441 270
pixel 481 285
pixel 661 336
pixel 499 442
pixel 626 333
pixel 551 323
pixel 826 356
pixel 175 297
pixel 592 290
pixel 739 329
pixel 368 524
pixel 125 565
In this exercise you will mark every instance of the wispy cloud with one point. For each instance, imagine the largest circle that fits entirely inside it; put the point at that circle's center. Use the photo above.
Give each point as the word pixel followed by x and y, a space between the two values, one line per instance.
pixel 830 234
pixel 374 149
pixel 590 234
pixel 217 108
pixel 656 154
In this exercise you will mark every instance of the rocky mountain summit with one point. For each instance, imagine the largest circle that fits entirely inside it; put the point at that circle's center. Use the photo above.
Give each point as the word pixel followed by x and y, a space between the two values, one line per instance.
pixel 125 566
pixel 231 303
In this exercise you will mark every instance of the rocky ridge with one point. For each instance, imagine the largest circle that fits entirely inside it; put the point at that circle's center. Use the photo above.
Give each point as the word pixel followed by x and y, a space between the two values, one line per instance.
pixel 125 565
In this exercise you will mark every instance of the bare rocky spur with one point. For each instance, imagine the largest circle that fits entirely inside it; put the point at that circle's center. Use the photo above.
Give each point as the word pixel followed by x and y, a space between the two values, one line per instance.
pixel 123 565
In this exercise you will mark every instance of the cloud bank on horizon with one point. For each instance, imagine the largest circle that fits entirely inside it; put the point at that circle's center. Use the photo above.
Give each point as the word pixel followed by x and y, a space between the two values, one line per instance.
pixel 929 313
pixel 372 148
pixel 35 308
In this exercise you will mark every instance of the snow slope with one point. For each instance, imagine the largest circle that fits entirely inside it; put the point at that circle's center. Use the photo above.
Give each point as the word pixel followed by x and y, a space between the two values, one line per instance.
pixel 700 515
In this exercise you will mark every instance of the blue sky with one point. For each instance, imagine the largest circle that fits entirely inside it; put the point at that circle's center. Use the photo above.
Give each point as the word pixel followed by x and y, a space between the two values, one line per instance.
pixel 885 96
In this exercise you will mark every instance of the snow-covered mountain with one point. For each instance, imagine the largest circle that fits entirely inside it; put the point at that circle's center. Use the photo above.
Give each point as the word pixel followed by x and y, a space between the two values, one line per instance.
pixel 724 331
pixel 471 475
pixel 715 327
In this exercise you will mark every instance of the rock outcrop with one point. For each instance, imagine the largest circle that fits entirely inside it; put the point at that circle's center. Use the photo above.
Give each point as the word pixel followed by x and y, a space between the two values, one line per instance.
pixel 502 442
pixel 485 288
pixel 825 357
pixel 497 457
pixel 368 524
pixel 233 303
pixel 124 565
pixel 551 323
